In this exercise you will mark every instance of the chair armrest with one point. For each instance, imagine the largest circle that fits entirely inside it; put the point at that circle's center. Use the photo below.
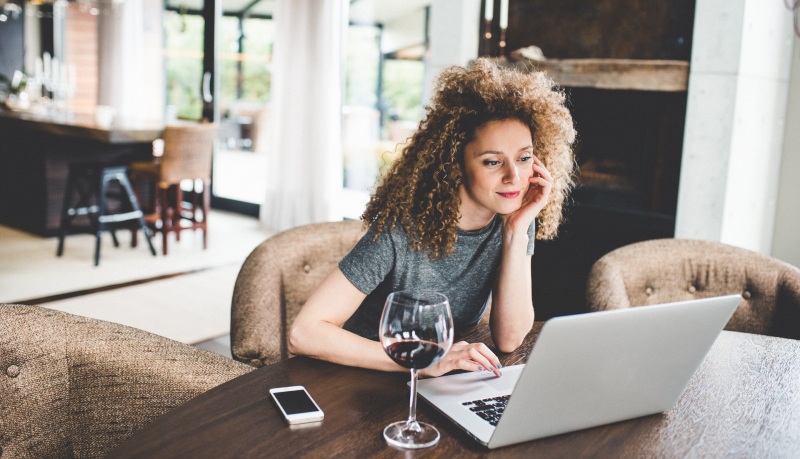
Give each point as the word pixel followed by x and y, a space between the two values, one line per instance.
pixel 256 309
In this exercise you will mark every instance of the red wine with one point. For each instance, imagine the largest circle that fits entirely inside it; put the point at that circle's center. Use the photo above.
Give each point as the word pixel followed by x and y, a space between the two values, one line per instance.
pixel 415 354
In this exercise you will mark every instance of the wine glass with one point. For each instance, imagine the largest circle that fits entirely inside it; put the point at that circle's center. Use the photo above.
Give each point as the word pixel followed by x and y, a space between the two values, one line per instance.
pixel 416 330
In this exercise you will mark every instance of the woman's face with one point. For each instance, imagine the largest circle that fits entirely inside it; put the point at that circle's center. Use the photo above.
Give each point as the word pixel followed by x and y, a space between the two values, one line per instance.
pixel 497 166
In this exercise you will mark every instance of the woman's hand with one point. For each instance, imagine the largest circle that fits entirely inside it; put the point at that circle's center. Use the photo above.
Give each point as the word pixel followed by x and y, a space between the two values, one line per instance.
pixel 540 184
pixel 465 356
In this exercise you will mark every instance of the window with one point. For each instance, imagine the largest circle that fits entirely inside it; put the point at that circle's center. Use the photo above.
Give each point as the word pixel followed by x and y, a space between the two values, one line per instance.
pixel 384 83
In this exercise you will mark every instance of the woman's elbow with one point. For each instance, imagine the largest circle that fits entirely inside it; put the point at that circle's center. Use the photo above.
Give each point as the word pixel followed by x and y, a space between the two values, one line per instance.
pixel 508 339
pixel 296 340
pixel 509 344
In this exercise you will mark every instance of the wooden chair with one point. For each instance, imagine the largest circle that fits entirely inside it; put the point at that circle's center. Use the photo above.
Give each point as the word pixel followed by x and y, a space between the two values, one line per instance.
pixel 667 270
pixel 186 161
pixel 275 281
pixel 75 387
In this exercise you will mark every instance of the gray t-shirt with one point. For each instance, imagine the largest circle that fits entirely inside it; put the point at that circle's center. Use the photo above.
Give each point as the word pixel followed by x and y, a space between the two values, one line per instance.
pixel 388 264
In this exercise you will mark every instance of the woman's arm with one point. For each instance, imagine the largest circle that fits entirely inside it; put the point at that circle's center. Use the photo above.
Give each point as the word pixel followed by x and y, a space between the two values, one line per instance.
pixel 317 332
pixel 512 302
pixel 512 312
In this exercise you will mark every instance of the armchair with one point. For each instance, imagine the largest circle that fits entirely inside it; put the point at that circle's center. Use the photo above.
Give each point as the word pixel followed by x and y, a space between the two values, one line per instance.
pixel 77 387
pixel 666 270
pixel 275 281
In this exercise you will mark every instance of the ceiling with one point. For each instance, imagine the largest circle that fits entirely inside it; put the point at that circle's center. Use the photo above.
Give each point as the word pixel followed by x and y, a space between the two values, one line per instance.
pixel 361 11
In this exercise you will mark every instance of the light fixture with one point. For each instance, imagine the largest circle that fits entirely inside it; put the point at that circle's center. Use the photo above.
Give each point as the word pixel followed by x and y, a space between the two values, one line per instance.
pixel 9 10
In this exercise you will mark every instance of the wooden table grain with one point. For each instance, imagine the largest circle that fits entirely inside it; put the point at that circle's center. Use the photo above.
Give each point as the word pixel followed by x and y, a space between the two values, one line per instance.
pixel 744 401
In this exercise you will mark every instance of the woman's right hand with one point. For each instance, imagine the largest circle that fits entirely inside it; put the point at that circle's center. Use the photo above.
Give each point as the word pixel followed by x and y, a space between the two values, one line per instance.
pixel 465 356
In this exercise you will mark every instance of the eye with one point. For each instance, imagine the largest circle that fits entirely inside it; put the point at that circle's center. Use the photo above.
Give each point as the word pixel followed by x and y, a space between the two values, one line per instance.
pixel 490 162
pixel 525 158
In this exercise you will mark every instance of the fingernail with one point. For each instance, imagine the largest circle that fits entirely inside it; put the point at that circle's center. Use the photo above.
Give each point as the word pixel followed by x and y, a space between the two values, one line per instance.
pixel 480 368
pixel 499 365
pixel 491 368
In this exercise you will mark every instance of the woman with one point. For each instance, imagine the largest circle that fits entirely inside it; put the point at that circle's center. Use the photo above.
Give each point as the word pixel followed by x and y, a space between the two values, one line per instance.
pixel 486 173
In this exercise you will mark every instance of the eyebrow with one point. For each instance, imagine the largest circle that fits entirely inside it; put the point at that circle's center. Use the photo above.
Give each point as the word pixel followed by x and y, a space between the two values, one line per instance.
pixel 496 152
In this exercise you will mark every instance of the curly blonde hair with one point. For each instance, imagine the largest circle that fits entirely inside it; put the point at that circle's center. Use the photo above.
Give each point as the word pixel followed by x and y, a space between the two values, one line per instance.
pixel 421 189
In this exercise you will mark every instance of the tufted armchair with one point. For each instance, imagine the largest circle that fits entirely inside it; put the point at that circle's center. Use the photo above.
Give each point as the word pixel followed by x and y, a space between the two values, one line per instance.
pixel 275 281
pixel 666 270
pixel 74 387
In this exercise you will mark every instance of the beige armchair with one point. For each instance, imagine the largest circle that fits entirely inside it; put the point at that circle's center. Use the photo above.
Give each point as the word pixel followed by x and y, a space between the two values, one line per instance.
pixel 277 279
pixel 72 386
pixel 665 270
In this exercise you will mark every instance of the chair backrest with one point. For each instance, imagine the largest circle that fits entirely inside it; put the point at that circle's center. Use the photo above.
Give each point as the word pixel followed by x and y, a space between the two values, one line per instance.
pixel 275 281
pixel 665 270
pixel 187 152
pixel 72 386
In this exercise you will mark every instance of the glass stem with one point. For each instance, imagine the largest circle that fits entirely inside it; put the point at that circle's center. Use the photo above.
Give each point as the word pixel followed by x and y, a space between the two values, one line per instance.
pixel 412 424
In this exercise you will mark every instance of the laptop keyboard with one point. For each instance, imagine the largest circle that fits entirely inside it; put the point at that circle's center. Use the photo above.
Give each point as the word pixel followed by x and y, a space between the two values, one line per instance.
pixel 489 409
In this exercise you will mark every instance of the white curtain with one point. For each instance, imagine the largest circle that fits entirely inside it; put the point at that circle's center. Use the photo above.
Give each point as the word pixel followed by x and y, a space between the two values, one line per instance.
pixel 305 155
pixel 130 68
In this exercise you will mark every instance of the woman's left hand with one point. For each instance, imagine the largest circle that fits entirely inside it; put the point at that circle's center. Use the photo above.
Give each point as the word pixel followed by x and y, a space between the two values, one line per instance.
pixel 540 184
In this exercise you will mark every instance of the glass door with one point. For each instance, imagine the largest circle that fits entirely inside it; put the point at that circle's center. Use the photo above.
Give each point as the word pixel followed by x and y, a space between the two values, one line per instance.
pixel 244 59
pixel 183 60
pixel 386 46
pixel 217 56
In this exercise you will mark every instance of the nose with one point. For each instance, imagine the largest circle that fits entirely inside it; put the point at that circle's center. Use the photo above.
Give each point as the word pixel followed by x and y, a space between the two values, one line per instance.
pixel 511 173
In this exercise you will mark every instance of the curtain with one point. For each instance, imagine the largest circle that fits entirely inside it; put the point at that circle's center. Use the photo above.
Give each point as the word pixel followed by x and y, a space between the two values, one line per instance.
pixel 304 176
pixel 130 68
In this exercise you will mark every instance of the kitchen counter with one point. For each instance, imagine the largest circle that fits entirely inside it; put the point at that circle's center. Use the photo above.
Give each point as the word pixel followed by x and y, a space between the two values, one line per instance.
pixel 81 126
pixel 36 150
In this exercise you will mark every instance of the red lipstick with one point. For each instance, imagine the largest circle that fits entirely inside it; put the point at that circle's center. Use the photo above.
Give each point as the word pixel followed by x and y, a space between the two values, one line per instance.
pixel 510 195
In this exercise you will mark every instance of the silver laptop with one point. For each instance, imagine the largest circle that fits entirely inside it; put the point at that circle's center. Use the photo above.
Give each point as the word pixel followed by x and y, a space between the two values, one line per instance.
pixel 586 370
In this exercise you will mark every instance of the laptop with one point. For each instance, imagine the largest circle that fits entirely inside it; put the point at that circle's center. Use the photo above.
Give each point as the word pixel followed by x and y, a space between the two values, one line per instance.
pixel 586 370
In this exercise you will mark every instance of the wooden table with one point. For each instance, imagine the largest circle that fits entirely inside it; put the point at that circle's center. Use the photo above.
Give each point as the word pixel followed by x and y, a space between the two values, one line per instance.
pixel 35 154
pixel 743 402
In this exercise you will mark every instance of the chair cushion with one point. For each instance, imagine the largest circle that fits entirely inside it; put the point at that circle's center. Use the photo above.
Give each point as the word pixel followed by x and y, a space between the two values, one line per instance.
pixel 34 385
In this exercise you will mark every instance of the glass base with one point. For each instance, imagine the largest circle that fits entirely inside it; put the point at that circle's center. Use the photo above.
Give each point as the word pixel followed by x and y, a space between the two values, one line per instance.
pixel 398 434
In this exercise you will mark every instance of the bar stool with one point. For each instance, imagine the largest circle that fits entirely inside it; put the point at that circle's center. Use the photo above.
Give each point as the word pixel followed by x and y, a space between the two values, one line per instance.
pixel 105 208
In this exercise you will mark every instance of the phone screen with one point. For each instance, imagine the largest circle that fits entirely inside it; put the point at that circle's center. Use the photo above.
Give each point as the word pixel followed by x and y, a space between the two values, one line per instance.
pixel 295 401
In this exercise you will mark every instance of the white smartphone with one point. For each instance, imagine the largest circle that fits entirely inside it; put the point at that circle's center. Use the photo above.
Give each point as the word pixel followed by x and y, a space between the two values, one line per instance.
pixel 296 405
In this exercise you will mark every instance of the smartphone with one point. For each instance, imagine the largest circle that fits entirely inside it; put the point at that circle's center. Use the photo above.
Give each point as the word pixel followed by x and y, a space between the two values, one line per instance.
pixel 296 405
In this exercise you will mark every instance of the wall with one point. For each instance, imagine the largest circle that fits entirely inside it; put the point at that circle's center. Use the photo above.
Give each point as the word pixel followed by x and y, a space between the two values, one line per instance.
pixel 404 32
pixel 738 89
pixel 80 50
pixel 12 49
pixel 594 28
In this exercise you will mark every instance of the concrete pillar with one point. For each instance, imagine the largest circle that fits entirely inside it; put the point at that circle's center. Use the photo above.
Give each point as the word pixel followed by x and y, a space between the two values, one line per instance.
pixel 786 241
pixel 454 37
pixel 738 88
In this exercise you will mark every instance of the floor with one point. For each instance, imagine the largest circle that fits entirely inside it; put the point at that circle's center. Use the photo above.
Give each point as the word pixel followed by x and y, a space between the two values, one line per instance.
pixel 184 296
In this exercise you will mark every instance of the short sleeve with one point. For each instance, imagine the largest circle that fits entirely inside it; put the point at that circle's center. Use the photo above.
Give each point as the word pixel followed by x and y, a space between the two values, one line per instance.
pixel 370 261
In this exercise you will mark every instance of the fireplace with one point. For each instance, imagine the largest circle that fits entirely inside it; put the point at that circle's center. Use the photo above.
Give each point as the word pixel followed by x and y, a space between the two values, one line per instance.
pixel 626 83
